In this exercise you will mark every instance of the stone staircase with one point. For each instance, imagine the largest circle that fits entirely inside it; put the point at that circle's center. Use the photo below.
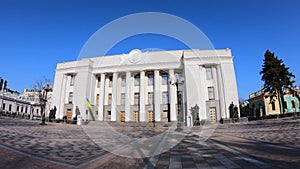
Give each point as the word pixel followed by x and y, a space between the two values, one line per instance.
pixel 129 124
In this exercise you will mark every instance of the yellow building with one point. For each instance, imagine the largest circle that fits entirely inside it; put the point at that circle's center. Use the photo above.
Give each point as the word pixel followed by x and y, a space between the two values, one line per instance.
pixel 261 106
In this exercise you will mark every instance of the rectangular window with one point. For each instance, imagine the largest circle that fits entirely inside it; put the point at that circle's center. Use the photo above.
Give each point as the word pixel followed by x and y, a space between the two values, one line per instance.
pixel 285 105
pixel 109 98
pixel 150 80
pixel 71 80
pixel 211 95
pixel 123 82
pixel 164 79
pixel 97 99
pixel 98 81
pixel 273 106
pixel 137 80
pixel 9 107
pixel 122 98
pixel 110 81
pixel 165 98
pixel 209 74
pixel 293 104
pixel 3 106
pixel 37 111
pixel 26 110
pixel 70 100
pixel 136 98
pixel 178 77
pixel 21 109
pixel 17 108
pixel 150 98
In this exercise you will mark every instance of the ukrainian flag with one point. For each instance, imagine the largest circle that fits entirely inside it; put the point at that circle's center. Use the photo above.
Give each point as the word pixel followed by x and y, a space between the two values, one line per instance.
pixel 88 104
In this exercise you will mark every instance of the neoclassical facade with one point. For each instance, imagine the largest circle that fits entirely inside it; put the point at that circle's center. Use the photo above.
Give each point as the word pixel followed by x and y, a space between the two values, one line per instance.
pixel 20 104
pixel 185 85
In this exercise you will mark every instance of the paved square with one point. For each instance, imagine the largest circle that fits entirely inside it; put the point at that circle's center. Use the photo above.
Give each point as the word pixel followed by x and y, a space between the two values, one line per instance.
pixel 261 144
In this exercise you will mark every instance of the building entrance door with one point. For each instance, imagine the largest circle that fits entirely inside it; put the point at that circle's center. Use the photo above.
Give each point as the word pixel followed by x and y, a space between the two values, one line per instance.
pixel 150 116
pixel 136 116
pixel 213 116
pixel 107 115
pixel 122 116
pixel 69 114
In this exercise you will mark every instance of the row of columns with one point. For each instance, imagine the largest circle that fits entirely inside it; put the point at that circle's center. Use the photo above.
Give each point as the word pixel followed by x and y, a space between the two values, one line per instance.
pixel 142 108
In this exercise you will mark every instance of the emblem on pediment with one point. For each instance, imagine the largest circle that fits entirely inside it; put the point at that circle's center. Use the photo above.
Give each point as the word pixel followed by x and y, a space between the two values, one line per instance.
pixel 135 56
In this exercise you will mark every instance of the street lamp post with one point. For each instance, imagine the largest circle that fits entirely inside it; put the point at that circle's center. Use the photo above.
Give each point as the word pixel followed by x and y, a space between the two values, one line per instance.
pixel 174 81
pixel 2 96
pixel 46 88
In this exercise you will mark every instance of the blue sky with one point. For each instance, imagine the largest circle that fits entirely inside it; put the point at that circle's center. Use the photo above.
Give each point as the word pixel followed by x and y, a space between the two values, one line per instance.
pixel 36 35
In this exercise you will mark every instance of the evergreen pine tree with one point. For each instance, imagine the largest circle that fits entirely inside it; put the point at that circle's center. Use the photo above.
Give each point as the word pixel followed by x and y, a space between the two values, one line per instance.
pixel 276 77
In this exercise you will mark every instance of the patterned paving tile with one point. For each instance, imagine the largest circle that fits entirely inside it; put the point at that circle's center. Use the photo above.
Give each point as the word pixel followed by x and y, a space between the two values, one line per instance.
pixel 63 146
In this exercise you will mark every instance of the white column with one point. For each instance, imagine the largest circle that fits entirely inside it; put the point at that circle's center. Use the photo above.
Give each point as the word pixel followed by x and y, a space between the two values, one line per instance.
pixel 101 97
pixel 127 96
pixel 61 111
pixel 118 97
pixel 15 107
pixel 114 97
pixel 157 96
pixel 223 107
pixel 142 96
pixel 172 97
pixel 215 82
pixel 29 111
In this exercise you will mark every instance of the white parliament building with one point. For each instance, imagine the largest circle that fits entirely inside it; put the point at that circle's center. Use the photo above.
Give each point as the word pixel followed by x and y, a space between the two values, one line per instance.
pixel 153 86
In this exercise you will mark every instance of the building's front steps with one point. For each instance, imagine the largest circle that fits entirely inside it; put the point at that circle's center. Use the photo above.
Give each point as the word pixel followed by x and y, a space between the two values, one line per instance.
pixel 132 124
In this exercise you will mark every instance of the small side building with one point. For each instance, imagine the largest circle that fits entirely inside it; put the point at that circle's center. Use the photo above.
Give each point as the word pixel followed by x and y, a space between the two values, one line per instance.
pixel 261 106
pixel 24 105
pixel 16 104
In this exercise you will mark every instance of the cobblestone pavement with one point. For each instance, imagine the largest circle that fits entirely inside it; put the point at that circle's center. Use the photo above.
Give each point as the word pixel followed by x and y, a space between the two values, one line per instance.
pixel 261 144
pixel 275 142
pixel 280 131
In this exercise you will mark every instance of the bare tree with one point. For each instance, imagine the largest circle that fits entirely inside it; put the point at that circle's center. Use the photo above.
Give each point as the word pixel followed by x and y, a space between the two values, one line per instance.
pixel 42 87
pixel 38 85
